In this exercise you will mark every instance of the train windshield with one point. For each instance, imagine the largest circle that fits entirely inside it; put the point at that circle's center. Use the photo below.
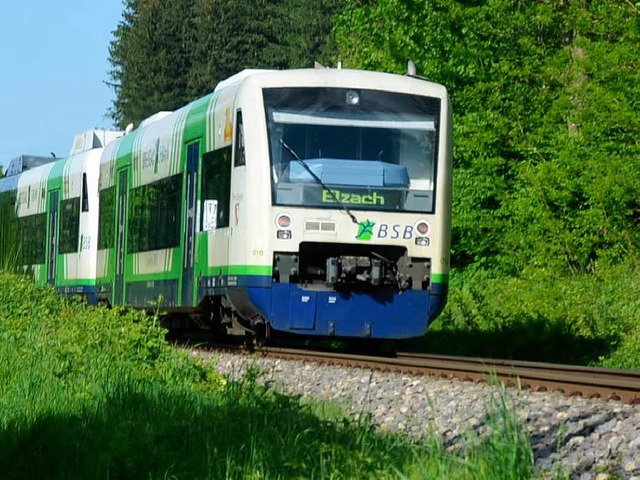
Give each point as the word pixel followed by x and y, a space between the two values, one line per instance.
pixel 366 149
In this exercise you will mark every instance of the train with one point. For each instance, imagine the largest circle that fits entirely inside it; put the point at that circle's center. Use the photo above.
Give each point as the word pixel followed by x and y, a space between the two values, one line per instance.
pixel 309 202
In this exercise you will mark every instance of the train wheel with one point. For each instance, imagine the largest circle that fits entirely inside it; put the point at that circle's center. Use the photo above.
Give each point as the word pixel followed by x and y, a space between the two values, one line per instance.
pixel 262 335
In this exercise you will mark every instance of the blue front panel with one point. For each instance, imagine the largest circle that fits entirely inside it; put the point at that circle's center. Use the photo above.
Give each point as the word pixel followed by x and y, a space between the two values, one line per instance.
pixel 302 309
pixel 376 316
pixel 348 314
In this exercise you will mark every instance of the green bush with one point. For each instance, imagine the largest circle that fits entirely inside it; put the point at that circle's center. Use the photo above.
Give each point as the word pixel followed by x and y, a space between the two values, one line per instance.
pixel 66 339
pixel 582 319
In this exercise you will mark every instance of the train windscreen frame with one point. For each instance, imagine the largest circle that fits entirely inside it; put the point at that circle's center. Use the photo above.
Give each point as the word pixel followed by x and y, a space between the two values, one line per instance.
pixel 373 149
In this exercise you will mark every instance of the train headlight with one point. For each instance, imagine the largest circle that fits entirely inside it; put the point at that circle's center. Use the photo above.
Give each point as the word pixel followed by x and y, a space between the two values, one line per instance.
pixel 284 234
pixel 422 241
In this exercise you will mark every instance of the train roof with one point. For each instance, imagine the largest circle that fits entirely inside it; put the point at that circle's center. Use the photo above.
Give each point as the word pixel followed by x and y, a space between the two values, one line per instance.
pixel 94 138
pixel 27 162
pixel 239 77
pixel 318 76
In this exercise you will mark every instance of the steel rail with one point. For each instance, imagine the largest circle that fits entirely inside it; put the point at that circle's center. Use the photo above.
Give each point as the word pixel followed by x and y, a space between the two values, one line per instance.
pixel 571 380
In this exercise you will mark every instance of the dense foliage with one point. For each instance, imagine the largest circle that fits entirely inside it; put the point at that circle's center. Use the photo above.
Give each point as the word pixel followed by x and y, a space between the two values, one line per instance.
pixel 165 54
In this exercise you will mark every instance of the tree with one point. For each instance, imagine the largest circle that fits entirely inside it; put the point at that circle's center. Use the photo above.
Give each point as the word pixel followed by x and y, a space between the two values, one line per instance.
pixel 165 54
pixel 150 58
pixel 584 185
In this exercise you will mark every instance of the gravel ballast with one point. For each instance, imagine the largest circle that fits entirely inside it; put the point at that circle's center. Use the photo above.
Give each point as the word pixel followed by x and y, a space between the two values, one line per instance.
pixel 588 438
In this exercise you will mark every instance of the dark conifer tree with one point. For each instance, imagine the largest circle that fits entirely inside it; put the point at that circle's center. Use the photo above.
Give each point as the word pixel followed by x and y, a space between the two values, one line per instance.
pixel 166 53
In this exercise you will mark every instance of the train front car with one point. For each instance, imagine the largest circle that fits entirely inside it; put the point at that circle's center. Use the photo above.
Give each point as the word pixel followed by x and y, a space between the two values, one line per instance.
pixel 341 193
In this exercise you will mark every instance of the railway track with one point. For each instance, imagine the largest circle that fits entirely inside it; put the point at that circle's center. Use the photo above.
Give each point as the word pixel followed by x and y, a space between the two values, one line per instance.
pixel 607 384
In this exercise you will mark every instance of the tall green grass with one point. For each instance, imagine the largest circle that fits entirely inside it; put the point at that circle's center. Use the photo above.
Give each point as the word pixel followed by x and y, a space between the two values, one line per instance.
pixel 97 393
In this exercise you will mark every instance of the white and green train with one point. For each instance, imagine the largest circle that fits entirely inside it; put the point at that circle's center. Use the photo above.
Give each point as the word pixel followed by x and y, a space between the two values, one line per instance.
pixel 315 202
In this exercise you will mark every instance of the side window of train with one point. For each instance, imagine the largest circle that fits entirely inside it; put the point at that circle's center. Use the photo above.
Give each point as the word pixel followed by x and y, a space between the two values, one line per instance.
pixel 69 225
pixel 239 159
pixel 31 249
pixel 154 215
pixel 216 188
pixel 107 217
pixel 8 228
pixel 85 194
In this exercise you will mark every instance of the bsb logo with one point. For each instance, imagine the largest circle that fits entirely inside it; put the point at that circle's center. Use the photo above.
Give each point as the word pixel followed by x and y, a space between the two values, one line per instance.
pixel 367 230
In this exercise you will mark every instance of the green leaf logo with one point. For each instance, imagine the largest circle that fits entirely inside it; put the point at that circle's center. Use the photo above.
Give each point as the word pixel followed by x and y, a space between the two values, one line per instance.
pixel 365 230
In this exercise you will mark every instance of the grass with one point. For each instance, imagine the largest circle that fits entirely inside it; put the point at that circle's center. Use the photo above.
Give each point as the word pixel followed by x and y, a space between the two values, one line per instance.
pixel 96 393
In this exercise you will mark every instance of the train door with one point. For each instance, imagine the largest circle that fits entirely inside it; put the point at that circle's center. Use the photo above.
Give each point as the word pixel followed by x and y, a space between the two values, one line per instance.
pixel 53 236
pixel 121 236
pixel 193 155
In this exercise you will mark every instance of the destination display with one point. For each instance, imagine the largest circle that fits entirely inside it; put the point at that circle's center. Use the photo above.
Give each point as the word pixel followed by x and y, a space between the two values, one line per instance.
pixel 311 195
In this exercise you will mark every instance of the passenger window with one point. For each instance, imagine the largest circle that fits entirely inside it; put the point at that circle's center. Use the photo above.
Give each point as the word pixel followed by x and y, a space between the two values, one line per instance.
pixel 239 158
pixel 69 225
pixel 107 218
pixel 155 215
pixel 31 249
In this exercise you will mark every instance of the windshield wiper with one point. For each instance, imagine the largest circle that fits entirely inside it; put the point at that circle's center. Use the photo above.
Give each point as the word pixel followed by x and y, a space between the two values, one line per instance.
pixel 320 182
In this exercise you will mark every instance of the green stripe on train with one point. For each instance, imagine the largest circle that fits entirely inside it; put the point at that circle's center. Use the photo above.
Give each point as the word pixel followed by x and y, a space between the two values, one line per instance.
pixel 440 278
pixel 265 270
